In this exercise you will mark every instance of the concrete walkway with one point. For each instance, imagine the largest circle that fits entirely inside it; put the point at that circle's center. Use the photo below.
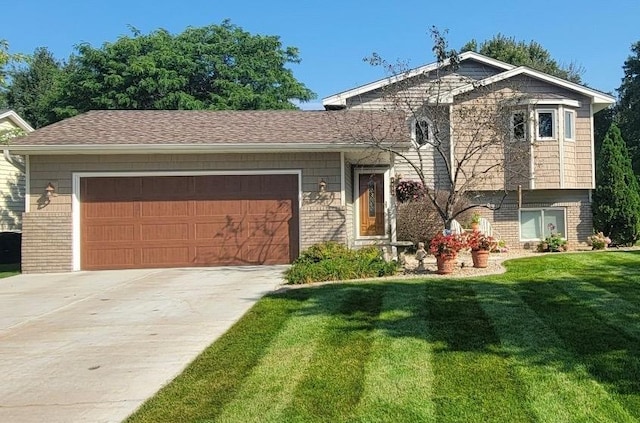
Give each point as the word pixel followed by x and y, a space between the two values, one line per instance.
pixel 92 346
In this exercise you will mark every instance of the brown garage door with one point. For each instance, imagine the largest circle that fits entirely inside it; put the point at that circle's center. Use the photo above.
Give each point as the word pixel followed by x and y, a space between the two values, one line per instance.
pixel 175 221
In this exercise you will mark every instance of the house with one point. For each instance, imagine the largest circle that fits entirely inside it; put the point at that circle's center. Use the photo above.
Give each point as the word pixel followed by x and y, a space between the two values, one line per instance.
pixel 129 189
pixel 518 142
pixel 11 175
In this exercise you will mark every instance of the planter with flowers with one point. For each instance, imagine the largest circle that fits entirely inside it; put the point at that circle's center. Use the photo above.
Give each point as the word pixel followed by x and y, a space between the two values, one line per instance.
pixel 445 247
pixel 481 245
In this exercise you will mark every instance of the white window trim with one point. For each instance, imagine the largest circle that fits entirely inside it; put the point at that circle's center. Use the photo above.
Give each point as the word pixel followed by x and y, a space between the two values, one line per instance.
pixel 554 124
pixel 356 203
pixel 512 125
pixel 573 124
pixel 541 209
pixel 414 127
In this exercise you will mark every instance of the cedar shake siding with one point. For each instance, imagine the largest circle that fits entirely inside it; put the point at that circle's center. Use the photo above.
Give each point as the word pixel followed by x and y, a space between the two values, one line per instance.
pixel 557 163
pixel 416 89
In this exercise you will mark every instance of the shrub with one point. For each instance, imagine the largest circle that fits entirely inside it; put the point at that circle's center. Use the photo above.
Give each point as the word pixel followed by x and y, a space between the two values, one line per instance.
pixel 331 261
pixel 418 221
pixel 599 241
pixel 616 200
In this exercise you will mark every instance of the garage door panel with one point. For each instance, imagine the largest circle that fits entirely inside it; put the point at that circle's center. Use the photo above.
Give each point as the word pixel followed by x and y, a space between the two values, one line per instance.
pixel 164 232
pixel 268 207
pixel 110 258
pixel 164 208
pixel 109 233
pixel 170 256
pixel 219 230
pixel 189 221
pixel 266 254
pixel 110 210
pixel 218 207
pixel 269 229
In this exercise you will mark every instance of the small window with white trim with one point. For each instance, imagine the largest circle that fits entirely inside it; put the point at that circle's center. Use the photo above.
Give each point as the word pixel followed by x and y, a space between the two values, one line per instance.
pixel 422 131
pixel 569 125
pixel 546 124
pixel 537 224
pixel 519 126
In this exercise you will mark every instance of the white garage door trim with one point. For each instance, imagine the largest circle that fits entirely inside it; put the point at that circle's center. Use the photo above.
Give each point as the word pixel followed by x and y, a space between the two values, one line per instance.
pixel 76 200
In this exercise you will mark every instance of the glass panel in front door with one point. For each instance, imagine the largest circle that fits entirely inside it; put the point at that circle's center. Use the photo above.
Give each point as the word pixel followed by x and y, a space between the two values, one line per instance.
pixel 371 204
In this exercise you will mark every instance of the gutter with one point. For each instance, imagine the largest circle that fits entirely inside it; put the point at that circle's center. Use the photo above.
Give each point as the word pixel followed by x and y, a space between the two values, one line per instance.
pixel 13 161
pixel 187 148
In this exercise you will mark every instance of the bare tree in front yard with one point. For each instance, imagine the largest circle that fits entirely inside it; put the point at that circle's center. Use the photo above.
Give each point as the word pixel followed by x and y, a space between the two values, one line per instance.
pixel 462 152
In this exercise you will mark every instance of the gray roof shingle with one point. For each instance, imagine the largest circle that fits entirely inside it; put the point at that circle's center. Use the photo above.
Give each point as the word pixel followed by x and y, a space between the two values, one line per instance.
pixel 187 127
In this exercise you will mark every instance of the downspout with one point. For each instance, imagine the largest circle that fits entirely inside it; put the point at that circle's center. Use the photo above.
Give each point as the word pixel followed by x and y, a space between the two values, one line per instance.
pixel 532 149
pixel 13 161
pixel 452 154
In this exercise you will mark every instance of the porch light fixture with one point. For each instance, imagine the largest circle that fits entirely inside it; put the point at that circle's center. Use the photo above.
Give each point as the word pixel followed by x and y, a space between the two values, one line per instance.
pixel 322 185
pixel 50 190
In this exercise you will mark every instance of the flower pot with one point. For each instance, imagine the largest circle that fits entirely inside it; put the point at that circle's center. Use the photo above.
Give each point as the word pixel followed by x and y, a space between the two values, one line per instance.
pixel 446 264
pixel 475 226
pixel 480 258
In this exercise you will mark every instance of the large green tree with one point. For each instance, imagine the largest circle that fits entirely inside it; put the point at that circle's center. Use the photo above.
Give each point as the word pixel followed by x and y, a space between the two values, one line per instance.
pixel 521 53
pixel 629 105
pixel 6 58
pixel 213 67
pixel 33 91
pixel 616 200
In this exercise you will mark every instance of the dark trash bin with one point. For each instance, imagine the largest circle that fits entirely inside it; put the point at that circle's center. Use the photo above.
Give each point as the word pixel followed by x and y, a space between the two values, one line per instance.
pixel 10 247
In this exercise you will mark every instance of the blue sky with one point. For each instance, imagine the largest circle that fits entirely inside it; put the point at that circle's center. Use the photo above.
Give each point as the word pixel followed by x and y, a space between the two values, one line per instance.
pixel 334 36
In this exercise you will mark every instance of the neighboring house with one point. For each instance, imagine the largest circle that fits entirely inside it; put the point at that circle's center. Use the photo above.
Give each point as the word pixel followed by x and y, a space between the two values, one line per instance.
pixel 129 189
pixel 11 175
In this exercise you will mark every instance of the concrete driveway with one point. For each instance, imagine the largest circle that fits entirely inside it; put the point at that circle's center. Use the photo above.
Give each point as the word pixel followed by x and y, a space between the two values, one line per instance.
pixel 92 346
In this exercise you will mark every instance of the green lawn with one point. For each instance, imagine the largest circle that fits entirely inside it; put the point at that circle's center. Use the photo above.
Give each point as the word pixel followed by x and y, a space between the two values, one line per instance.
pixel 7 270
pixel 555 339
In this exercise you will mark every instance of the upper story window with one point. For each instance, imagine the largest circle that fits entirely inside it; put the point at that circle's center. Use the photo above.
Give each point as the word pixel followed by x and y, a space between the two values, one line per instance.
pixel 569 125
pixel 519 126
pixel 546 124
pixel 422 131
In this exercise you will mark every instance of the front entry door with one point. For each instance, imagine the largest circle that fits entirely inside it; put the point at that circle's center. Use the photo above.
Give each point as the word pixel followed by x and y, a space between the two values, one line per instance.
pixel 371 204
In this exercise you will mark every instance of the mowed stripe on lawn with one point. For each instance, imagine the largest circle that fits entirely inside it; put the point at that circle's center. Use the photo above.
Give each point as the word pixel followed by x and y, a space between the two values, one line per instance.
pixel 333 385
pixel 472 377
pixel 399 377
pixel 555 391
pixel 284 363
pixel 609 354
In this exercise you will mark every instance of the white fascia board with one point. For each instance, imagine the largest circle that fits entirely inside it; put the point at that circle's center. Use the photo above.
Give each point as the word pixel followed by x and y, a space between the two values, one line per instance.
pixel 597 97
pixel 184 148
pixel 549 102
pixel 16 119
pixel 340 99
